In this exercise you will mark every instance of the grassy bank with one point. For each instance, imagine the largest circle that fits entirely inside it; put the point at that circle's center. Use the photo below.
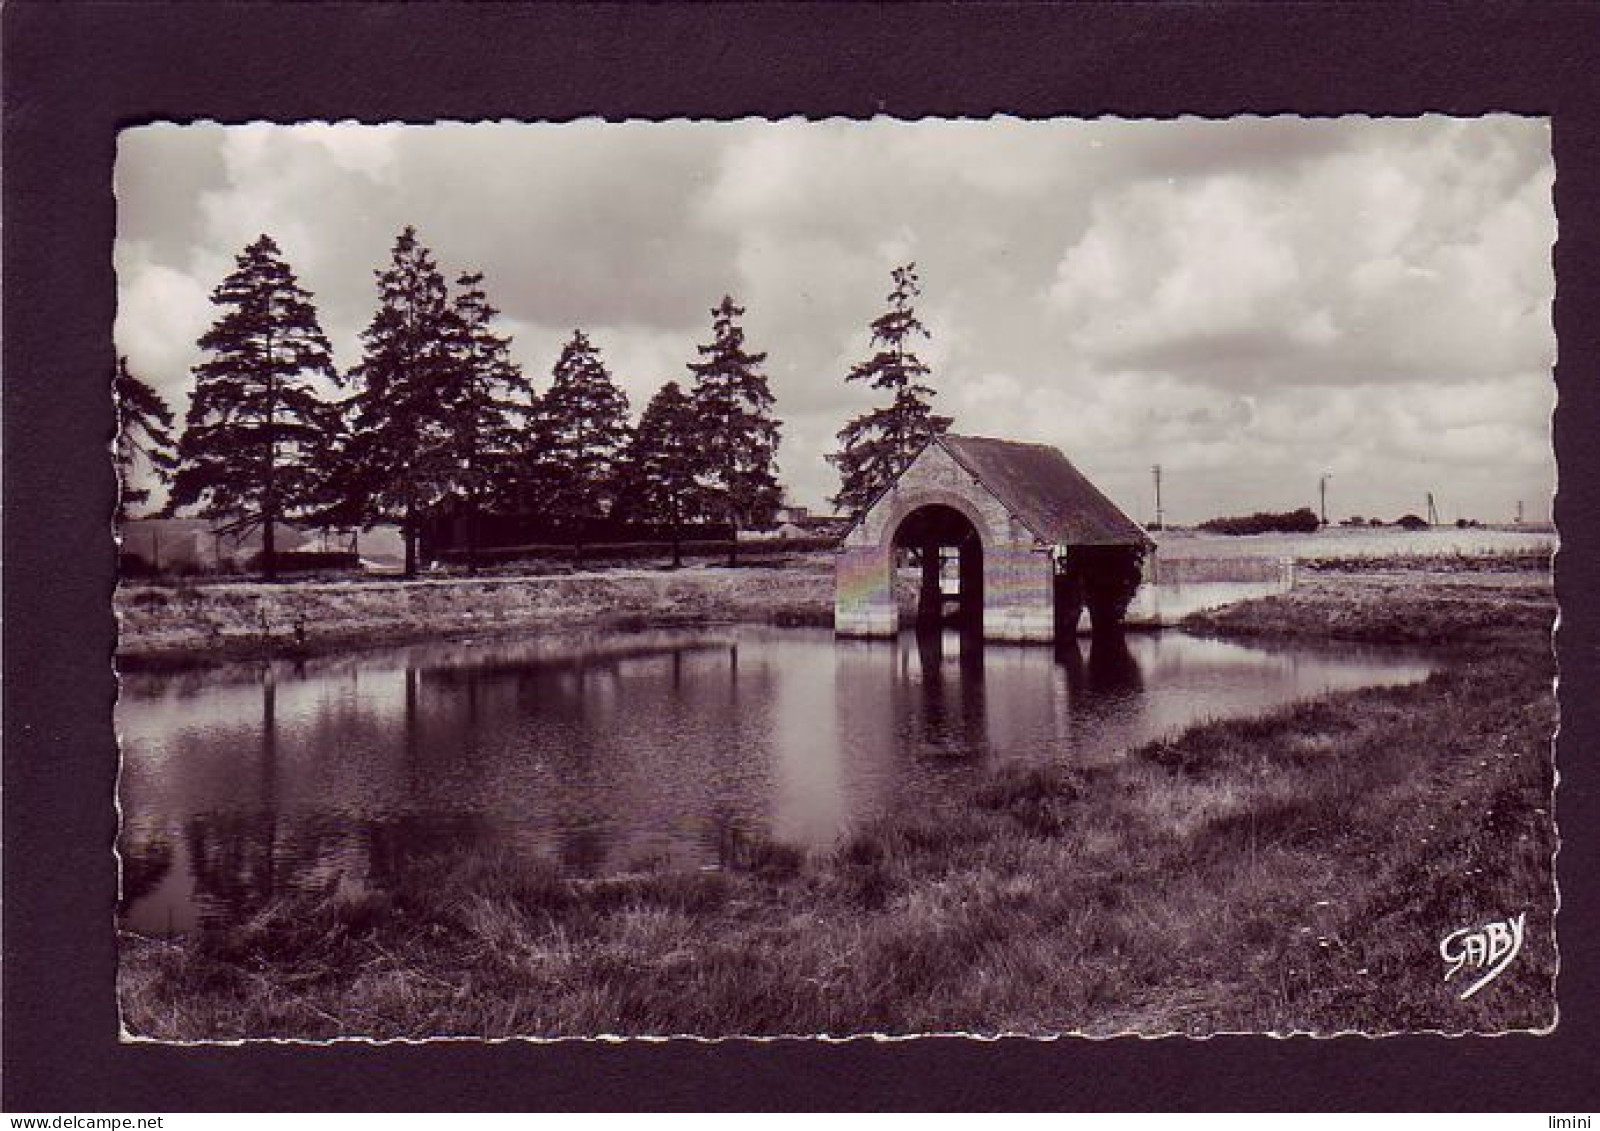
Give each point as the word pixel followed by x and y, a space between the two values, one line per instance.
pixel 166 625
pixel 189 623
pixel 1460 611
pixel 1293 872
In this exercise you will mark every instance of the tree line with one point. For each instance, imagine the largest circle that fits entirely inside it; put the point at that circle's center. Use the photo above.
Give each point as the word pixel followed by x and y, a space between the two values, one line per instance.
pixel 437 418
pixel 1301 521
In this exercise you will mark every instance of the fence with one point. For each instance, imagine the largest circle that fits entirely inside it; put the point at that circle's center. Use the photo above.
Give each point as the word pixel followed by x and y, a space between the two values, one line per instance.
pixel 1190 571
pixel 648 550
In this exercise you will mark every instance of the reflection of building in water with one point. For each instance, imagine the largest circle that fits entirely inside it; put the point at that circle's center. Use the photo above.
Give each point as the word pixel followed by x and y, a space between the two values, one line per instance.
pixel 954 715
pixel 1113 672
pixel 1109 682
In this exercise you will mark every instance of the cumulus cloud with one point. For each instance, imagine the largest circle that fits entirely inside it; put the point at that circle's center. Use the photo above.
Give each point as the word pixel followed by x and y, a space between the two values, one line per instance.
pixel 1376 264
pixel 1250 303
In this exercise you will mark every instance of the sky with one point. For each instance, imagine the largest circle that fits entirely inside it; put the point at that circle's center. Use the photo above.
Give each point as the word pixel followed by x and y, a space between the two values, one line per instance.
pixel 1250 303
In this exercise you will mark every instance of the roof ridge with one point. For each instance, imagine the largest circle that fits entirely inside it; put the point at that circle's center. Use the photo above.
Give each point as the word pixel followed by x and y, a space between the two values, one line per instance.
pixel 998 440
pixel 1028 499
pixel 1037 484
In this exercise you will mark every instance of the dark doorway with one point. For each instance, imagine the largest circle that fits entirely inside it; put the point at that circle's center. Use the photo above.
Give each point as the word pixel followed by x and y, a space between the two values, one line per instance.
pixel 943 547
pixel 1101 579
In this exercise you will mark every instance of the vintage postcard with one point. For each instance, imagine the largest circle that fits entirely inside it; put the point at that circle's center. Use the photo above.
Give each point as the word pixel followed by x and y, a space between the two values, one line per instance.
pixel 835 578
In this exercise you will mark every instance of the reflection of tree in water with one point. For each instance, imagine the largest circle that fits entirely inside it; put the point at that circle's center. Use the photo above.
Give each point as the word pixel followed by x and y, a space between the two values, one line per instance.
pixel 583 849
pixel 396 847
pixel 731 836
pixel 145 863
pixel 575 721
pixel 448 712
pixel 584 792
pixel 234 859
pixel 618 758
pixel 242 861
pixel 743 722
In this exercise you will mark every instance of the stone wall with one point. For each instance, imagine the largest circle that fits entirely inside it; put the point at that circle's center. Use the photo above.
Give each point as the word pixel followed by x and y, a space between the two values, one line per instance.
pixel 1017 594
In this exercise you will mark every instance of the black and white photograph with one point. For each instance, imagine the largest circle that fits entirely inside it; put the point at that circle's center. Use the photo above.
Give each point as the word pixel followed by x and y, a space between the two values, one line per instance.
pixel 878 577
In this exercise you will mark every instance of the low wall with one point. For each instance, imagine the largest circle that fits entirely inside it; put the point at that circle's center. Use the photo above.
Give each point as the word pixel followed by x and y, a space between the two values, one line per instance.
pixel 1174 589
pixel 1018 596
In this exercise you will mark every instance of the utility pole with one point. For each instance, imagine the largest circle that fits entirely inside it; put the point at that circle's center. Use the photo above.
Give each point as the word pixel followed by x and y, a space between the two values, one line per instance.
pixel 1156 471
pixel 1519 512
pixel 1322 487
pixel 1433 513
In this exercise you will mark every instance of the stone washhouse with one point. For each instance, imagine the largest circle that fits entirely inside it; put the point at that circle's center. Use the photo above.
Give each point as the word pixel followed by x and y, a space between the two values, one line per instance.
pixel 1004 540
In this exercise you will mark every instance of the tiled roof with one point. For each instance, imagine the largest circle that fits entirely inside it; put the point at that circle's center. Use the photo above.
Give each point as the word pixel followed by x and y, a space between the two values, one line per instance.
pixel 1048 495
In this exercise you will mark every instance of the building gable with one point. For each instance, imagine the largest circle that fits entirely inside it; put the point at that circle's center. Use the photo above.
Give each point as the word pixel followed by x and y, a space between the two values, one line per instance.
pixel 1033 485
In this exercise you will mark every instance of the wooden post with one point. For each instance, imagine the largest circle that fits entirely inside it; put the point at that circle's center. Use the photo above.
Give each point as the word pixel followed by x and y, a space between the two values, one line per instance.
pixel 1068 604
pixel 930 597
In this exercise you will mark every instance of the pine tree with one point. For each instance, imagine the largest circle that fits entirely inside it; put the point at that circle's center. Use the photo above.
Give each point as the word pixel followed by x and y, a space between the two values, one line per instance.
pixel 878 445
pixel 487 406
pixel 661 475
pixel 257 429
pixel 740 432
pixel 581 431
pixel 402 461
pixel 144 434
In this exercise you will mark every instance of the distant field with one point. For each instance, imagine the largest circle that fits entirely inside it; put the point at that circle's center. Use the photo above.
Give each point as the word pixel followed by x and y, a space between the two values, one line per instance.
pixel 1342 542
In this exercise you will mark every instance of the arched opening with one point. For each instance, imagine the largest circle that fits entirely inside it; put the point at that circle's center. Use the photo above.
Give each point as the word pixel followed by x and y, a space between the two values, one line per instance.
pixel 943 549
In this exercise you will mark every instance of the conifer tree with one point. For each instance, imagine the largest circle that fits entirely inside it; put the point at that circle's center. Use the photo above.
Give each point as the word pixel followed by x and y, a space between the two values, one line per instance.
pixel 144 434
pixel 661 475
pixel 741 434
pixel 487 406
pixel 877 446
pixel 581 431
pixel 402 461
pixel 256 432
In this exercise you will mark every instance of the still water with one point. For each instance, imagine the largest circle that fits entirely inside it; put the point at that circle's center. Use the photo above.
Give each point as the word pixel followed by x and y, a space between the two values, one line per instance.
pixel 605 751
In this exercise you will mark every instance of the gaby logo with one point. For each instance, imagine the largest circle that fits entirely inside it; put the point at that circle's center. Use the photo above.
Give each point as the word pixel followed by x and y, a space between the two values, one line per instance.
pixel 1489 948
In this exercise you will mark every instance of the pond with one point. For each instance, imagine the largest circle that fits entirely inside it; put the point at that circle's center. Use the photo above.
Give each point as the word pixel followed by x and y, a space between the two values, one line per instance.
pixel 609 751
